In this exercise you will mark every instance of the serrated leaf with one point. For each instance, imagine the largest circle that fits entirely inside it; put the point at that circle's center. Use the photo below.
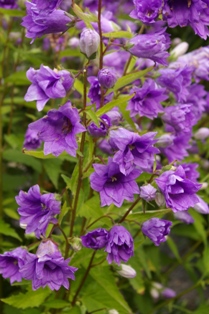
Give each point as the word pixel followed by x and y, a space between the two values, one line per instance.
pixel 28 299
pixel 7 230
pixel 114 103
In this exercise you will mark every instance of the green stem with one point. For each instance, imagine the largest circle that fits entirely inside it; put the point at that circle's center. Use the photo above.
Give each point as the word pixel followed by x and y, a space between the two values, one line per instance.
pixel 130 209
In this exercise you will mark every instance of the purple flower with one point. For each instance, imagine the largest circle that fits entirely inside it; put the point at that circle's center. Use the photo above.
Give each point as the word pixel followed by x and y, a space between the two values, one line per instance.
pixel 115 116
pixel 133 150
pixel 48 268
pixel 156 230
pixel 190 171
pixel 45 7
pixel 107 77
pixel 183 13
pixel 38 24
pixel 146 11
pixel 176 81
pixel 148 192
pixel 37 210
pixel 151 46
pixel 95 239
pixel 11 263
pixel 179 192
pixel 8 4
pixel 95 92
pixel 184 217
pixel 102 129
pixel 146 101
pixel 120 245
pixel 113 186
pixel 179 118
pixel 47 84
pixel 32 140
pixel 58 130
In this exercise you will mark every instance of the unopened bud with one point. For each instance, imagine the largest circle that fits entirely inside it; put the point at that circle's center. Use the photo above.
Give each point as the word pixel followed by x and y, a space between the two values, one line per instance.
pixel 201 207
pixel 180 49
pixel 73 42
pixel 113 311
pixel 164 141
pixel 89 42
pixel 75 244
pixel 107 78
pixel 159 199
pixel 127 271
pixel 202 134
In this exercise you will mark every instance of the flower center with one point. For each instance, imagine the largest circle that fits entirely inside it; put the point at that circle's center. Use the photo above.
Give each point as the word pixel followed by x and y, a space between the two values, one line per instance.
pixel 67 126
pixel 113 179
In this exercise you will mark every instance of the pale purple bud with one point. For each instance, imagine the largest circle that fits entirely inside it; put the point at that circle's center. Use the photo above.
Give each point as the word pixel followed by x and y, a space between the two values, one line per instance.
pixel 184 216
pixel 148 192
pixel 113 311
pixel 164 140
pixel 201 207
pixel 46 248
pixel 89 42
pixel 168 293
pixel 127 271
pixel 115 116
pixel 107 78
pixel 202 134
pixel 159 199
pixel 73 42
pixel 180 49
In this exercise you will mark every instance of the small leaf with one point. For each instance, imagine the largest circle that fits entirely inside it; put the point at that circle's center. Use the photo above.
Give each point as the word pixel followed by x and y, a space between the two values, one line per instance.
pixel 114 103
pixel 118 34
pixel 5 229
pixel 12 12
pixel 142 217
pixel 56 304
pixel 53 167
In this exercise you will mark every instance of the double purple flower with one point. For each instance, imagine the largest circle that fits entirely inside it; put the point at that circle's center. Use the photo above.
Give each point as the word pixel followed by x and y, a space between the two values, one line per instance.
pixel 156 230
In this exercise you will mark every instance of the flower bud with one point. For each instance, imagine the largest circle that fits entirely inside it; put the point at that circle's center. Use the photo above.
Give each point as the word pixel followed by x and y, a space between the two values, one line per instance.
pixel 159 199
pixel 201 207
pixel 180 49
pixel 107 78
pixel 147 192
pixel 89 42
pixel 202 134
pixel 165 140
pixel 75 244
pixel 113 311
pixel 127 271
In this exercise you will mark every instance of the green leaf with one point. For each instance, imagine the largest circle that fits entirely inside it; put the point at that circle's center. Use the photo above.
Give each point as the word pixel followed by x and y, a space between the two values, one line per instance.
pixel 67 181
pixel 40 155
pixel 7 230
pixel 11 12
pixel 199 226
pixel 203 309
pixel 56 304
pixel 64 211
pixel 129 78
pixel 53 167
pixel 92 115
pixel 126 116
pixel 28 299
pixel 78 85
pixel 142 217
pixel 11 213
pixel 102 292
pixel 91 209
pixel 114 103
pixel 174 248
pixel 86 18
pixel 17 78
pixel 118 34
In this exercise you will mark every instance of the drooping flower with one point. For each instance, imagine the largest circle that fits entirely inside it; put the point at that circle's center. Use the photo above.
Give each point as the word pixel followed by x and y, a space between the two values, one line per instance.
pixel 133 150
pixel 184 217
pixel 156 229
pixel 107 77
pixel 146 11
pixel 102 129
pixel 48 268
pixel 127 271
pixel 11 263
pixel 58 130
pixel 146 101
pixel 95 239
pixel 47 84
pixel 114 187
pixel 151 46
pixel 45 7
pixel 148 192
pixel 37 210
pixel 38 24
pixel 120 245
pixel 32 140
pixel 179 192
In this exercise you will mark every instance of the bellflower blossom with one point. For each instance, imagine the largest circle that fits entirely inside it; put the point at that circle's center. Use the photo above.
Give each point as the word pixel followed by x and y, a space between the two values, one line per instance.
pixel 120 245
pixel 32 140
pixel 11 263
pixel 95 92
pixel 146 101
pixel 45 7
pixel 102 129
pixel 37 210
pixel 152 46
pixel 38 24
pixel 156 229
pixel 58 130
pixel 47 84
pixel 95 239
pixel 48 268
pixel 114 187
pixel 107 77
pixel 179 192
pixel 146 11
pixel 133 150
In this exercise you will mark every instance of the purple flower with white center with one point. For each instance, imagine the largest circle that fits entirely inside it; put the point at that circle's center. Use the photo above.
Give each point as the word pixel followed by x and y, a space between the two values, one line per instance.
pixel 201 207
pixel 8 4
pixel 107 78
pixel 47 84
pixel 176 81
pixel 95 239
pixel 11 262
pixel 120 245
pixel 102 129
pixel 133 150
pixel 156 230
pixel 146 11
pixel 45 7
pixel 32 140
pixel 146 101
pixel 179 118
pixel 179 192
pixel 148 192
pixel 36 210
pixel 183 13
pixel 114 187
pixel 184 217
pixel 58 130
pixel 178 149
pixel 95 92
pixel 151 46
pixel 48 268
pixel 89 42
pixel 38 24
